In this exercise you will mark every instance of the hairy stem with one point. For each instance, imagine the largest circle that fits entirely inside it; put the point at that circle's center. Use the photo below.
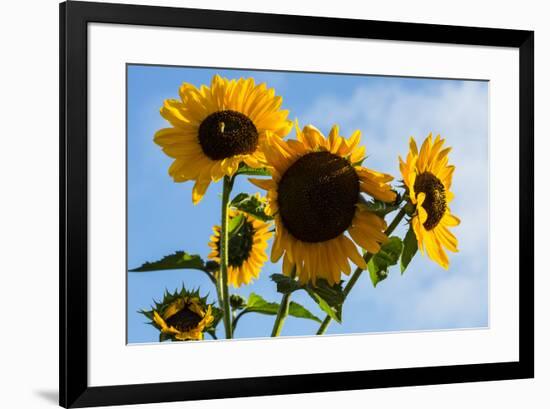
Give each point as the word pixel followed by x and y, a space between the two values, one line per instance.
pixel 283 310
pixel 224 253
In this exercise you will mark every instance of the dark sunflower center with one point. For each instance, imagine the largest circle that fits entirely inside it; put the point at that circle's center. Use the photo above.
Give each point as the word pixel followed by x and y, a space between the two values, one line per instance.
pixel 227 133
pixel 184 320
pixel 317 197
pixel 435 202
pixel 240 245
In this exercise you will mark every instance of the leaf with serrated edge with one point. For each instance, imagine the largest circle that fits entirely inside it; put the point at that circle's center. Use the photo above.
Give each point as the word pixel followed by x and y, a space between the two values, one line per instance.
pixel 247 170
pixel 335 312
pixel 299 311
pixel 410 247
pixel 176 261
pixel 259 305
pixel 285 284
pixel 329 298
pixel 388 256
pixel 235 224
pixel 251 205
pixel 379 207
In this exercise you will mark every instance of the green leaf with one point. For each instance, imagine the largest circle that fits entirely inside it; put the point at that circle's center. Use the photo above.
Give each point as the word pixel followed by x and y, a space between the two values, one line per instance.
pixel 388 256
pixel 259 305
pixel 299 311
pixel 382 208
pixel 251 205
pixel 410 247
pixel 333 294
pixel 329 298
pixel 247 170
pixel 176 261
pixel 285 284
pixel 235 224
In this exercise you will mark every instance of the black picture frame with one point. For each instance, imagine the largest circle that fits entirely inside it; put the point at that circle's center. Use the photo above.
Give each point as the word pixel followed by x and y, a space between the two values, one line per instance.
pixel 73 378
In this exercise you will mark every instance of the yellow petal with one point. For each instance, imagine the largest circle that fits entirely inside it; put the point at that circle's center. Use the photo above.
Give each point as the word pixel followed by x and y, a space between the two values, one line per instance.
pixel 277 249
pixel 352 252
pixel 288 266
pixel 412 146
pixel 199 189
pixel 424 153
pixel 435 252
pixel 419 233
pixel 367 242
pixel 379 191
pixel 266 184
pixel 422 214
pixel 451 220
pixel 312 137
pixel 446 238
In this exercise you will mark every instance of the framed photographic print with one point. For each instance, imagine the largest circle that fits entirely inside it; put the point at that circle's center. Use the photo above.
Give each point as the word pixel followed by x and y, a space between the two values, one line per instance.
pixel 258 204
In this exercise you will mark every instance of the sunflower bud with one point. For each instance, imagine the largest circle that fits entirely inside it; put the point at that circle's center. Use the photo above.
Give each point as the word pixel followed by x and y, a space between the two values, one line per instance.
pixel 237 302
pixel 182 316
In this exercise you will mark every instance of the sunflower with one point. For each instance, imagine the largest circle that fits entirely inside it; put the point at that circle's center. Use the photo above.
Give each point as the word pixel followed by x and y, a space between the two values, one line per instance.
pixel 215 129
pixel 428 177
pixel 182 316
pixel 246 248
pixel 314 195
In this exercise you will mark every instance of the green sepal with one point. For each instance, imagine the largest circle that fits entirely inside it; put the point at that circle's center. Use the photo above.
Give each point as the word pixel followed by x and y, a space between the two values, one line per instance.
pixel 148 314
pixel 217 313
pixel 164 337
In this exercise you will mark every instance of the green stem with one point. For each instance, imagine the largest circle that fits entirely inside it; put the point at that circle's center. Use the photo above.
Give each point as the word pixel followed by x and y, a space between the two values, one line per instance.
pixel 283 310
pixel 224 251
pixel 358 271
pixel 324 325
pixel 237 318
pixel 219 291
pixel 211 276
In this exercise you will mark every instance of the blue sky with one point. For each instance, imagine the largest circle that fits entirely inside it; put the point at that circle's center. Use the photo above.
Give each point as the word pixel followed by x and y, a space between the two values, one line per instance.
pixel 162 218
